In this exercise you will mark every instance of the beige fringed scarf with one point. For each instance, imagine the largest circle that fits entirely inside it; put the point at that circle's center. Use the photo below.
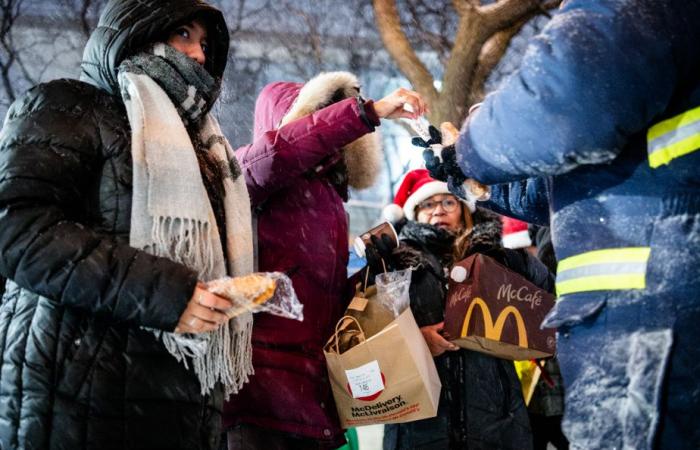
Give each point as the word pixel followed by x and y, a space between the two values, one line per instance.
pixel 172 216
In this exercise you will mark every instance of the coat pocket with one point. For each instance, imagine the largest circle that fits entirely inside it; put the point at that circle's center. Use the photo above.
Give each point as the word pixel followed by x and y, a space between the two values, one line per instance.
pixel 80 362
pixel 613 393
pixel 646 369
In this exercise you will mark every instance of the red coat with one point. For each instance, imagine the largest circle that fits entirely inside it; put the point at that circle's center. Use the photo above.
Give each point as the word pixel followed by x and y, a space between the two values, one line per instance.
pixel 295 180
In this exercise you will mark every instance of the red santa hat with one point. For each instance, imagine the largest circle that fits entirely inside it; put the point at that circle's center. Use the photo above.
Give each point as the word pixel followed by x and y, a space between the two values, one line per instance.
pixel 415 187
pixel 515 234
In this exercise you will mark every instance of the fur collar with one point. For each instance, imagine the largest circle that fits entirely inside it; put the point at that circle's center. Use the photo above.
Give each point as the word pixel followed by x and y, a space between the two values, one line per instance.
pixel 363 156
pixel 487 229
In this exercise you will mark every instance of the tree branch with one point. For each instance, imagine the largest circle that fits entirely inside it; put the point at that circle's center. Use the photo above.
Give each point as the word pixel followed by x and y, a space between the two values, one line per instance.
pixel 397 44
pixel 491 54
pixel 460 68
pixel 505 13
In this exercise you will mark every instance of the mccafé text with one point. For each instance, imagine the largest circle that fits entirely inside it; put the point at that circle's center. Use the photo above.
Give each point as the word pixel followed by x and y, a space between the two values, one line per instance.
pixel 521 294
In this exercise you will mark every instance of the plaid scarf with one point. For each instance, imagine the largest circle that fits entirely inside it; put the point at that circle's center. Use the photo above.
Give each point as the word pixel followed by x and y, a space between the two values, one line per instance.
pixel 172 215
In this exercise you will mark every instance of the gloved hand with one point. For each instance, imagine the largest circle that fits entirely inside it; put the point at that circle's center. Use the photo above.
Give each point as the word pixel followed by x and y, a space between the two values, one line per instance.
pixel 446 169
pixel 434 165
pixel 440 168
pixel 435 138
pixel 379 255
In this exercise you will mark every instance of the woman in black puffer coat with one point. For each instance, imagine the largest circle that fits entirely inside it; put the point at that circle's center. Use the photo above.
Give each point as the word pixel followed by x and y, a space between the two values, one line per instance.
pixel 78 370
pixel 481 403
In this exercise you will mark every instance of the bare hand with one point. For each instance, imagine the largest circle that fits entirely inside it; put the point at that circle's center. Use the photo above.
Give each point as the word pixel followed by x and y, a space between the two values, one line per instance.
pixel 392 106
pixel 204 312
pixel 436 343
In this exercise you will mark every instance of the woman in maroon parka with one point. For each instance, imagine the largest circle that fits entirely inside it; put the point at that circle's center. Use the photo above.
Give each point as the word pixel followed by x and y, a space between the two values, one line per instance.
pixel 310 142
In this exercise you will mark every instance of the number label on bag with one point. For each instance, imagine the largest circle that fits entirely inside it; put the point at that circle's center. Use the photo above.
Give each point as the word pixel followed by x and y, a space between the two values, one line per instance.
pixel 365 380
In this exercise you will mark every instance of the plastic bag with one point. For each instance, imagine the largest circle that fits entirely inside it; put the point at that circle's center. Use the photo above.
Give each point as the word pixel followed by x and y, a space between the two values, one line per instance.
pixel 250 293
pixel 392 290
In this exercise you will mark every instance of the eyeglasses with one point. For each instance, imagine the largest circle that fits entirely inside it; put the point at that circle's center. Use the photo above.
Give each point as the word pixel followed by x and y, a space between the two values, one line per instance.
pixel 448 205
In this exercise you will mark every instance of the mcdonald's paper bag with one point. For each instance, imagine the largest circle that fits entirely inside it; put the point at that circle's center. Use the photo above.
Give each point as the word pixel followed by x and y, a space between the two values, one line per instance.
pixel 372 315
pixel 493 310
pixel 387 378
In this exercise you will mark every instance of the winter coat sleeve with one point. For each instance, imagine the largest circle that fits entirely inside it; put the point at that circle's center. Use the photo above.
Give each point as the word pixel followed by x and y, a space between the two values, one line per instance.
pixel 279 157
pixel 51 156
pixel 526 200
pixel 599 72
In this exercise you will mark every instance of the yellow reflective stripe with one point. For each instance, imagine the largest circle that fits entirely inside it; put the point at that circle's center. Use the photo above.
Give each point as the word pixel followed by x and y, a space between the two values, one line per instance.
pixel 603 270
pixel 673 123
pixel 602 283
pixel 675 150
pixel 674 137
pixel 610 255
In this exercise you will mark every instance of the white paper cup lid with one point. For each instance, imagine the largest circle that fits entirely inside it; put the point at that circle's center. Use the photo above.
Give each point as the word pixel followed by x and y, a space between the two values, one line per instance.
pixel 359 246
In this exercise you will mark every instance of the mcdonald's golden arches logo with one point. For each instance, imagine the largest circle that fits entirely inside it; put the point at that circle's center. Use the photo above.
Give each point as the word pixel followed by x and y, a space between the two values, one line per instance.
pixel 494 330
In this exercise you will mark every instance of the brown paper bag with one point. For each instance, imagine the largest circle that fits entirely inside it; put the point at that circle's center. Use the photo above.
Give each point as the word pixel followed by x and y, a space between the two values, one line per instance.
pixel 371 315
pixel 493 310
pixel 389 377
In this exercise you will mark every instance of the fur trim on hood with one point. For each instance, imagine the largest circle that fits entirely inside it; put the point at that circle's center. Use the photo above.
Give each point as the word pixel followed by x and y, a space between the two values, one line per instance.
pixel 363 156
pixel 487 229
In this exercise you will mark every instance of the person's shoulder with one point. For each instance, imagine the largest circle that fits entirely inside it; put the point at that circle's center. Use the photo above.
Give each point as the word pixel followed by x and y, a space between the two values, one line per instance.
pixel 62 96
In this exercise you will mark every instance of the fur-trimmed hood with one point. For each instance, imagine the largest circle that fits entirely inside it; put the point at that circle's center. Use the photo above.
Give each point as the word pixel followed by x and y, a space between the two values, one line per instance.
pixel 282 102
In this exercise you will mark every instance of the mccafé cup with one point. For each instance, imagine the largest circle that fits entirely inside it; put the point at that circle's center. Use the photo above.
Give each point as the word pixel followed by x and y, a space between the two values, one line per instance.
pixel 362 241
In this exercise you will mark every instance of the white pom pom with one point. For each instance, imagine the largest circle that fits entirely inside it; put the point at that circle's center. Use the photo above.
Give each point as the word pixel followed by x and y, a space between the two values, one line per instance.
pixel 392 213
pixel 458 274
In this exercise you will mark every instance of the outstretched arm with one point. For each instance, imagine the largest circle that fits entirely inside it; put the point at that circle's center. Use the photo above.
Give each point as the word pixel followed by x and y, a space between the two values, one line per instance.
pixel 598 73
pixel 279 157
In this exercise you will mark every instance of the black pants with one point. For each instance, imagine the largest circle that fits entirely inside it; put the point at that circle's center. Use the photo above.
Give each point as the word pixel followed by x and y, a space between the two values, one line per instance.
pixel 545 430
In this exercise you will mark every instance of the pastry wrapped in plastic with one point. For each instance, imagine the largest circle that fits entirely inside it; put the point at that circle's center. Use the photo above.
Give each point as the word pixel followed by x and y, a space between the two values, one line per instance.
pixel 270 292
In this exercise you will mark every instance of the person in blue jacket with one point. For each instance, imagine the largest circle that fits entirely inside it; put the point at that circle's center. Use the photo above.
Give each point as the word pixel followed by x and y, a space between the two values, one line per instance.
pixel 598 135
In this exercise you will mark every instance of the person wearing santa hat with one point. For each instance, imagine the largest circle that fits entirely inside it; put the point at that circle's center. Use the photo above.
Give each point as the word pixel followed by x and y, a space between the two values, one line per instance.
pixel 515 233
pixel 481 404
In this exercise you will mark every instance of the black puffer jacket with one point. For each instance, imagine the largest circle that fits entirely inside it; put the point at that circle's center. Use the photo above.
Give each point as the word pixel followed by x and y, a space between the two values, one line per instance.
pixel 77 370
pixel 481 403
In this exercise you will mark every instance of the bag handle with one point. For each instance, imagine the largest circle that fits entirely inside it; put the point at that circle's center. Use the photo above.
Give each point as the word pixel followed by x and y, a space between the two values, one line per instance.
pixel 342 321
pixel 364 287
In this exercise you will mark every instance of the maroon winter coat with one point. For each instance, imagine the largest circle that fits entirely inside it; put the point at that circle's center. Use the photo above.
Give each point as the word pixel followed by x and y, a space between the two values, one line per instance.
pixel 297 173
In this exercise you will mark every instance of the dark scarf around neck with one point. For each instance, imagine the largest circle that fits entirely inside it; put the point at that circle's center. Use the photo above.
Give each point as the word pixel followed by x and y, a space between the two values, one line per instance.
pixel 193 92
pixel 191 88
pixel 430 239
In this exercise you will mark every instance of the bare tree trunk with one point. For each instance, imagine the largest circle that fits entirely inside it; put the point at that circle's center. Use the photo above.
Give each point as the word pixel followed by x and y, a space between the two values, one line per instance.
pixel 482 37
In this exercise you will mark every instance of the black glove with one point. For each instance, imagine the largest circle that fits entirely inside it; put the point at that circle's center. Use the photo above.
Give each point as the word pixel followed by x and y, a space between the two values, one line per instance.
pixel 449 160
pixel 440 170
pixel 446 170
pixel 379 255
pixel 434 165
pixel 457 188
pixel 435 138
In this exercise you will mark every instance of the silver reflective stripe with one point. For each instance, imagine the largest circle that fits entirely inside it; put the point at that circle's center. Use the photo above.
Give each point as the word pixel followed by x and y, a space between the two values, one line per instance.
pixel 602 269
pixel 674 136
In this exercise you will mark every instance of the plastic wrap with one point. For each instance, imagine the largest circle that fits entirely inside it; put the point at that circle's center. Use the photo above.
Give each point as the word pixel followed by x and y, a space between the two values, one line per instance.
pixel 270 292
pixel 392 290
